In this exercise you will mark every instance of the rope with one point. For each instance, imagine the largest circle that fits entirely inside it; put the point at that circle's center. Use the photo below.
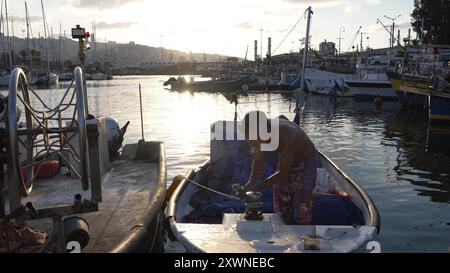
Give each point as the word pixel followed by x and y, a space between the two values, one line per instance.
pixel 289 33
pixel 211 190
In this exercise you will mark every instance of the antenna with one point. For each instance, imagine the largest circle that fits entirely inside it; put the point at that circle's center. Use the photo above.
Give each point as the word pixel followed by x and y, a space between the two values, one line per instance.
pixel 361 45
pixel 342 29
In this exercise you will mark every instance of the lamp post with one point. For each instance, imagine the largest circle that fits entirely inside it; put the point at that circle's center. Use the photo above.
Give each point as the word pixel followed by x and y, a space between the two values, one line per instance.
pixel 342 29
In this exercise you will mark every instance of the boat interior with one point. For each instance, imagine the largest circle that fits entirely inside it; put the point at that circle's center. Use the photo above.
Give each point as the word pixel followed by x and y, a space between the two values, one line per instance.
pixel 204 221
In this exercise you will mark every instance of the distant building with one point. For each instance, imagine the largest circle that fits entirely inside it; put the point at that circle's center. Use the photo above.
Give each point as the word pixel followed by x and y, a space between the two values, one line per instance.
pixel 327 48
pixel 132 43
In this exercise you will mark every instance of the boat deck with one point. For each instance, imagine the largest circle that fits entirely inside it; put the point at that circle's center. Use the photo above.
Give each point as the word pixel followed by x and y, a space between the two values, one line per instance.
pixel 127 191
pixel 271 235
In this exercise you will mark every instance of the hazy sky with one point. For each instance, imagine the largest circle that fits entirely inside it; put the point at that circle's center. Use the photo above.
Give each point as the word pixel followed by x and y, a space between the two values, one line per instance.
pixel 214 26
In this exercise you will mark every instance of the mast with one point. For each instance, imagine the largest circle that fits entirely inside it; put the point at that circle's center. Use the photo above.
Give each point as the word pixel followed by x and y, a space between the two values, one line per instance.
pixel 46 34
pixel 12 40
pixel 31 33
pixel 305 56
pixel 63 58
pixel 2 30
pixel 27 19
pixel 43 20
pixel 60 47
pixel 8 37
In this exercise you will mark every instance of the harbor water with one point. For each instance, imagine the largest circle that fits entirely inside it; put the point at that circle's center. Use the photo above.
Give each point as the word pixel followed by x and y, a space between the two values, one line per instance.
pixel 401 161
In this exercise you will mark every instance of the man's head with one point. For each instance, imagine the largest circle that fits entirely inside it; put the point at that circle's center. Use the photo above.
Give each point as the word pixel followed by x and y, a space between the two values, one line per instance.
pixel 255 126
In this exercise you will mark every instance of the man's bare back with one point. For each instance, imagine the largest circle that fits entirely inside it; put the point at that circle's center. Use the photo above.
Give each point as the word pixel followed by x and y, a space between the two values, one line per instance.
pixel 293 140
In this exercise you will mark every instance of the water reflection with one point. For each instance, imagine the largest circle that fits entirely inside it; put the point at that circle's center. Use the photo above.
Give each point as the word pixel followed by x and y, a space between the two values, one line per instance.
pixel 423 151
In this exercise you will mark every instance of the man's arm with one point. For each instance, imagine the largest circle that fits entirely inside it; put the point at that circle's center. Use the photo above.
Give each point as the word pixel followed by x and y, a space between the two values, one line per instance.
pixel 257 167
pixel 286 160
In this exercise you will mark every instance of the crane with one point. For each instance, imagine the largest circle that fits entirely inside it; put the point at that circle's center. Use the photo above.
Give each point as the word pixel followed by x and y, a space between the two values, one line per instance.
pixel 354 38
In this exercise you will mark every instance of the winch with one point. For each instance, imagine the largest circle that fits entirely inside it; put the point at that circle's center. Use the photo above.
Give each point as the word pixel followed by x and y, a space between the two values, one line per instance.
pixel 253 206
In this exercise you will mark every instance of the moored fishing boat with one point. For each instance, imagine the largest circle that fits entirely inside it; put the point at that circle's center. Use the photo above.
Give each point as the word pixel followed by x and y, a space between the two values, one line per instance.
pixel 409 99
pixel 437 102
pixel 71 187
pixel 235 85
pixel 204 222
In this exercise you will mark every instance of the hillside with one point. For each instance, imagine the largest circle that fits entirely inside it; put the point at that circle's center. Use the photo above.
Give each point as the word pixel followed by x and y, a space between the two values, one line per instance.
pixel 117 54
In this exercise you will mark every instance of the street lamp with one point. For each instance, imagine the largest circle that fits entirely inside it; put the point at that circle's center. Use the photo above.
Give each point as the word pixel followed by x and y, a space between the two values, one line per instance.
pixel 392 38
pixel 342 29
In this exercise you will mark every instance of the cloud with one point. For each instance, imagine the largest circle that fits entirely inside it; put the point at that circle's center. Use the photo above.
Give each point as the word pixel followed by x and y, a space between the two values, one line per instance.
pixel 114 25
pixel 287 12
pixel 244 25
pixel 20 19
pixel 316 3
pixel 374 2
pixel 404 25
pixel 104 4
pixel 352 8
pixel 310 1
pixel 201 30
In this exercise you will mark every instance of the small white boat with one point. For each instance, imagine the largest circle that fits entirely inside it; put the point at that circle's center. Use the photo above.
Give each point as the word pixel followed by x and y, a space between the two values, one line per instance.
pixel 98 76
pixel 47 79
pixel 333 87
pixel 235 234
pixel 66 76
pixel 6 78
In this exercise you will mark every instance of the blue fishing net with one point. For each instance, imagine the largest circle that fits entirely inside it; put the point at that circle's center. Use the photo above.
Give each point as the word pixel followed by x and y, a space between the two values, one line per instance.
pixel 233 169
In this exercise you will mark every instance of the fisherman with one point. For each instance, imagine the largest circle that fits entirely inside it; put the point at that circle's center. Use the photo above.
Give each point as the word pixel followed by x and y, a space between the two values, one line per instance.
pixel 295 179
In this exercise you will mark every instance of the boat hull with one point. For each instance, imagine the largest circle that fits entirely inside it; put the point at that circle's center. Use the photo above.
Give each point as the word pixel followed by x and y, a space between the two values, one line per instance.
pixel 439 108
pixel 212 86
pixel 406 98
pixel 369 90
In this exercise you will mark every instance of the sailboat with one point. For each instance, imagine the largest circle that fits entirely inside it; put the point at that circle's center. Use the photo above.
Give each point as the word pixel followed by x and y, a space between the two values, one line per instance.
pixel 47 78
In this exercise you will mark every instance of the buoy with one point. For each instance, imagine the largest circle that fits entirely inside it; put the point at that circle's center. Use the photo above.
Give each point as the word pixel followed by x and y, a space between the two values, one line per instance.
pixel 378 101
